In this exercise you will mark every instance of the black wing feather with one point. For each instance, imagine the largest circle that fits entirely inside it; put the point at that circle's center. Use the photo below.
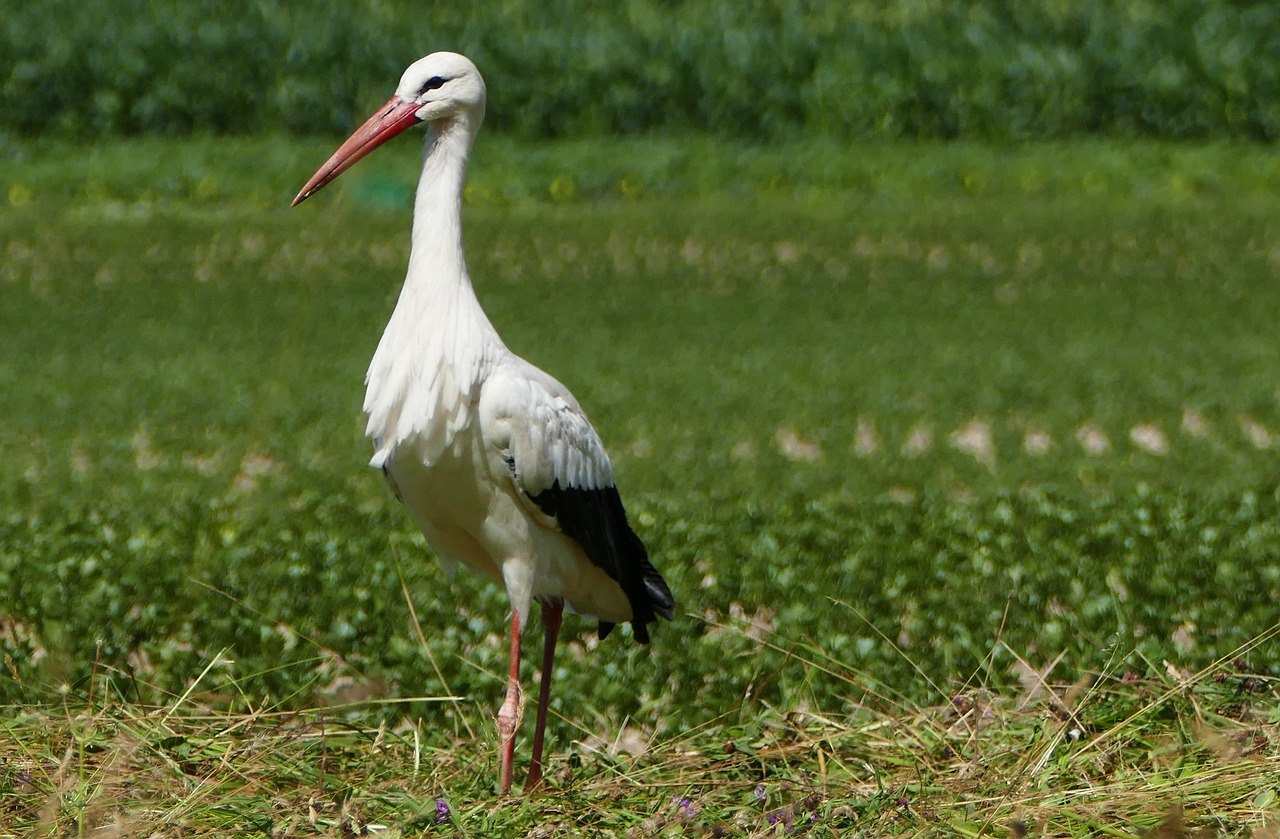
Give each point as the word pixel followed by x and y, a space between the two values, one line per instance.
pixel 596 519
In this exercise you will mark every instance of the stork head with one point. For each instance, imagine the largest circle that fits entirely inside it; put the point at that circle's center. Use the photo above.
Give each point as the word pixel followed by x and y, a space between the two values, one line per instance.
pixel 442 86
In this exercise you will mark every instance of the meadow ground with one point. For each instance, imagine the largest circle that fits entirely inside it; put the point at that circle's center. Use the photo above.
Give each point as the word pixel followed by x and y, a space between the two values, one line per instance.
pixel 959 458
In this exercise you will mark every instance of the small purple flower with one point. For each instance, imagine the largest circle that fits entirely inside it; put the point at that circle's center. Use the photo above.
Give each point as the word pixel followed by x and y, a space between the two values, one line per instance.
pixel 685 806
pixel 443 813
pixel 759 794
pixel 783 817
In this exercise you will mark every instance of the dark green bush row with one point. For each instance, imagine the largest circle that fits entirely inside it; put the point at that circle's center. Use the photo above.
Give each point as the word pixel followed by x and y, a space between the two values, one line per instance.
pixel 1001 68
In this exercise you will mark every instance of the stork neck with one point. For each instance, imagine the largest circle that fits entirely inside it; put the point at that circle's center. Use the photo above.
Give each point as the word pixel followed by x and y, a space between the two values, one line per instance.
pixel 436 256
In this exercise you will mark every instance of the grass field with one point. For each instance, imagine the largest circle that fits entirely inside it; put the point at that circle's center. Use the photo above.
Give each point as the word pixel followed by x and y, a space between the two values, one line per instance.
pixel 906 427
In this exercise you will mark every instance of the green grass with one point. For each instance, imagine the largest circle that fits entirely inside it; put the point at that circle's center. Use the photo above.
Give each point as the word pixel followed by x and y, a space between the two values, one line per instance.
pixel 856 399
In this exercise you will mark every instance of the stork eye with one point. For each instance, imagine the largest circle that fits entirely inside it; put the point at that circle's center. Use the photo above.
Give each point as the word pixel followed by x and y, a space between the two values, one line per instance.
pixel 432 83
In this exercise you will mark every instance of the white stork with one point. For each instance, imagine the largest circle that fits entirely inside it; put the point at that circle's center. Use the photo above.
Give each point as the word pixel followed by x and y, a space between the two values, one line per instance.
pixel 493 458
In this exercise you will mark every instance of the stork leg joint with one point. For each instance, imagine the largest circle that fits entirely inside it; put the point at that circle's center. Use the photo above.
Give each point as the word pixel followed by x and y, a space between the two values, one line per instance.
pixel 511 712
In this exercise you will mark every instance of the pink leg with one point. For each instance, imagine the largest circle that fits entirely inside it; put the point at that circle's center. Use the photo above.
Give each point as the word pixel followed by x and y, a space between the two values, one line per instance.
pixel 551 615
pixel 512 709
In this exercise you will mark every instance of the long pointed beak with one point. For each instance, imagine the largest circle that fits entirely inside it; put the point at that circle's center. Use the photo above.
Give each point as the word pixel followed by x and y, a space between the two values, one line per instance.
pixel 388 121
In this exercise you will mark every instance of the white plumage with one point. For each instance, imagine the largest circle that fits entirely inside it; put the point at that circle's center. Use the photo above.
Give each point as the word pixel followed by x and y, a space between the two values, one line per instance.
pixel 493 458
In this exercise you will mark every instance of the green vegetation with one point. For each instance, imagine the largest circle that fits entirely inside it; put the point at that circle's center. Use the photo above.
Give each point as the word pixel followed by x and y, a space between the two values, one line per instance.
pixel 904 68
pixel 899 423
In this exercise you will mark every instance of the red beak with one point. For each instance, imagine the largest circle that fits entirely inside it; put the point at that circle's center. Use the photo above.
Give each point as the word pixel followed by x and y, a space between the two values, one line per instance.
pixel 388 121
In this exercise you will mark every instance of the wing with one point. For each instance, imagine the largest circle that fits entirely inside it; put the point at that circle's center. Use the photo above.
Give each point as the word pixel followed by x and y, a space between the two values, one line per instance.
pixel 558 463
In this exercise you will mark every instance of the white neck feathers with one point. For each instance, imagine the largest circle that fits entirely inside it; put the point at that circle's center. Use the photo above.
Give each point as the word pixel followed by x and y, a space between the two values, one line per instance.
pixel 438 345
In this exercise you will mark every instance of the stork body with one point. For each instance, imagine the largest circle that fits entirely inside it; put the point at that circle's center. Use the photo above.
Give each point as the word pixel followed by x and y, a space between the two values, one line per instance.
pixel 493 458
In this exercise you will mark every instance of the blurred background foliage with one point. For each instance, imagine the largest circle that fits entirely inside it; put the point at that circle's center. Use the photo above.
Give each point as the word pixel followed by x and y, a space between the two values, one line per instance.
pixel 765 68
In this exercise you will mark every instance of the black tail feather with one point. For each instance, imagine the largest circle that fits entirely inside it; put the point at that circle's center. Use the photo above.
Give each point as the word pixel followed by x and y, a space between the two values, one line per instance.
pixel 596 519
pixel 655 589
